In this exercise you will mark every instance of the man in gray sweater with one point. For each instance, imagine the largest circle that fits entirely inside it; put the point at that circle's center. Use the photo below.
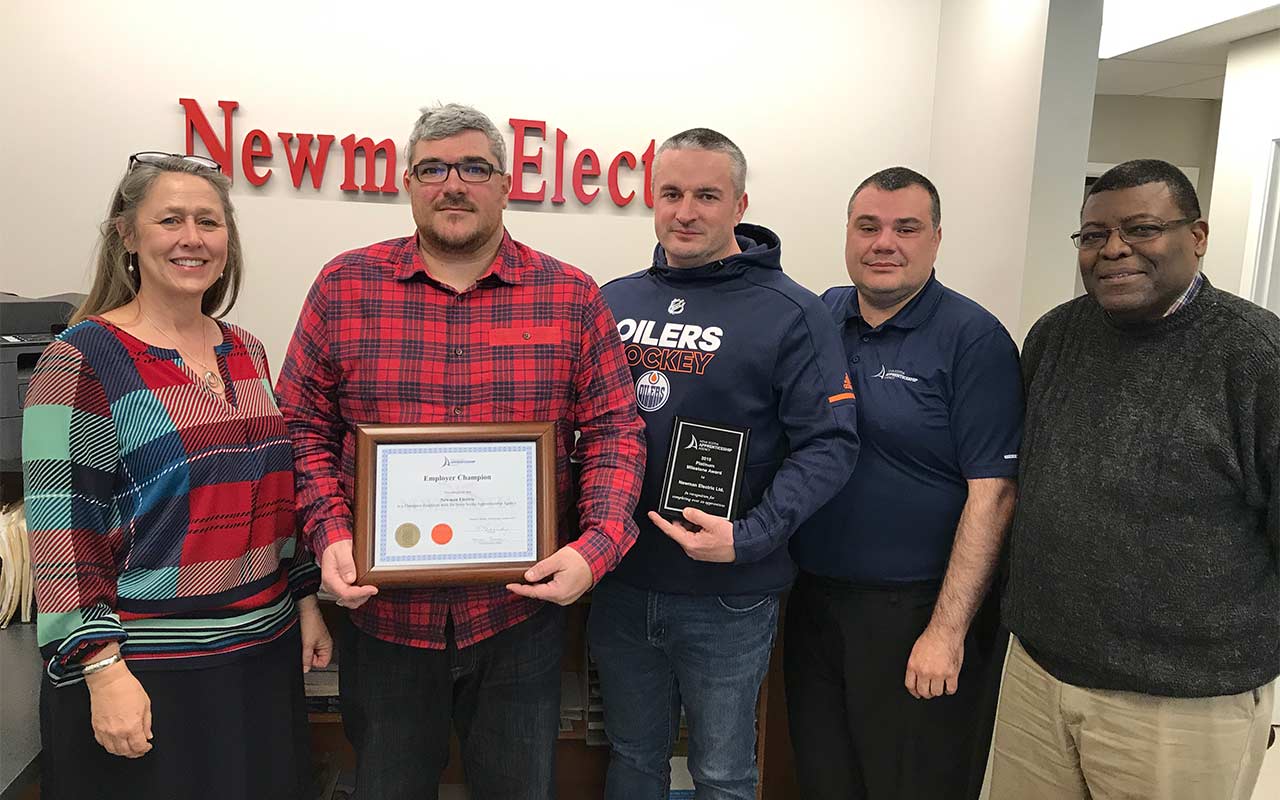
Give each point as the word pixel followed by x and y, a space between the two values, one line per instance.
pixel 1144 580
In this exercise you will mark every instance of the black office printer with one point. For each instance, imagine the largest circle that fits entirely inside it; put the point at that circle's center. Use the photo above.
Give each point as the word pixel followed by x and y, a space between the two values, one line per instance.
pixel 27 326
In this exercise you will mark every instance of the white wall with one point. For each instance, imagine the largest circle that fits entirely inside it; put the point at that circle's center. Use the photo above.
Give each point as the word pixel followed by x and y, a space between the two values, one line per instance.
pixel 1250 123
pixel 819 95
pixel 1008 148
pixel 1181 131
pixel 806 94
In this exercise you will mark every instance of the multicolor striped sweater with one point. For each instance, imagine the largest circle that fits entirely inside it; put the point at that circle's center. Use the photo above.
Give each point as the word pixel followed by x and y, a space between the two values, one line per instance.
pixel 161 515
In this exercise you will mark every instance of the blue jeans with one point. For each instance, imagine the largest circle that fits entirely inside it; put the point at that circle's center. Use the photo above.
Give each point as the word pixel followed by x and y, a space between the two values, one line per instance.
pixel 501 696
pixel 656 651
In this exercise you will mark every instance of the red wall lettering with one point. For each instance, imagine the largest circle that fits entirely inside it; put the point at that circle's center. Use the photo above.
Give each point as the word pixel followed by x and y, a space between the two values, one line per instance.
pixel 197 123
pixel 561 138
pixel 585 165
pixel 304 161
pixel 256 145
pixel 619 199
pixel 388 150
pixel 519 160
pixel 256 153
pixel 647 159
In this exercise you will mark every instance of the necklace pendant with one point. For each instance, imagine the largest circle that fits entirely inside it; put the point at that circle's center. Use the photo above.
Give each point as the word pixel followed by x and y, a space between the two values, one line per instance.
pixel 211 381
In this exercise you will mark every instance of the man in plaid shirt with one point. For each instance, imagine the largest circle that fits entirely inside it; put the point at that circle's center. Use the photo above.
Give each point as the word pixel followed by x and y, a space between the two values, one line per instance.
pixel 459 323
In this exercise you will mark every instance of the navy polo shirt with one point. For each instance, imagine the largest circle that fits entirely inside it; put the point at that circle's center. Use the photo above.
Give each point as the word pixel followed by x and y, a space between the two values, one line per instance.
pixel 939 402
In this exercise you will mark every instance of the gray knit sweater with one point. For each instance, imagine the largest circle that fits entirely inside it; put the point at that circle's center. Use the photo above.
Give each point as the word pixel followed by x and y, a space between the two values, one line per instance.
pixel 1145 553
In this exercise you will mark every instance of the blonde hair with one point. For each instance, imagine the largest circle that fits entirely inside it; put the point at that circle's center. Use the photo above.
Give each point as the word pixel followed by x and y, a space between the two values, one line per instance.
pixel 113 283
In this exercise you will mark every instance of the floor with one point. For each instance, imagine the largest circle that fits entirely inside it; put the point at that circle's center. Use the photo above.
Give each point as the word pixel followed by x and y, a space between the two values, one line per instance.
pixel 1268 784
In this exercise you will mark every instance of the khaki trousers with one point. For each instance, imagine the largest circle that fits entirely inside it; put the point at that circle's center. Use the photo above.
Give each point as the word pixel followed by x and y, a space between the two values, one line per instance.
pixel 1055 741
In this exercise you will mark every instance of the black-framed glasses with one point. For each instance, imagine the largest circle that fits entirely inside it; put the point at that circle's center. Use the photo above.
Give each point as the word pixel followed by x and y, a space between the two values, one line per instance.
pixel 1130 233
pixel 468 171
pixel 155 157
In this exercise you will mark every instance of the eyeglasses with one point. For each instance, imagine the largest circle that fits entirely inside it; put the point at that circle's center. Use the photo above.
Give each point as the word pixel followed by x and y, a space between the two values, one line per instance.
pixel 438 171
pixel 155 157
pixel 1130 233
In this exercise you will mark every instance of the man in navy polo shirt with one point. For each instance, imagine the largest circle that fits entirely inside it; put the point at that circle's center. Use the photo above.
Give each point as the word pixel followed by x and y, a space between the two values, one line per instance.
pixel 890 632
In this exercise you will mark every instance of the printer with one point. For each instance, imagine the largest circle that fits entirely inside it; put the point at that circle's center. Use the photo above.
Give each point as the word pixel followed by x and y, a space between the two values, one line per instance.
pixel 27 326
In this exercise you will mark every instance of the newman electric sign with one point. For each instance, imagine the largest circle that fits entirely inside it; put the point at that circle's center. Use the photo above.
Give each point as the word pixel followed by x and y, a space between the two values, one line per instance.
pixel 307 157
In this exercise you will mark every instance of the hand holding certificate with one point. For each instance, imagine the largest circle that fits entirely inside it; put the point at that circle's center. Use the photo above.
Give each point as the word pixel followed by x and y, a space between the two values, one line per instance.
pixel 440 505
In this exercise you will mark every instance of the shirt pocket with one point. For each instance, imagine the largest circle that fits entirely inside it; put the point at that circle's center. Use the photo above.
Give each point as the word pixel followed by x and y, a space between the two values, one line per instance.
pixel 524 335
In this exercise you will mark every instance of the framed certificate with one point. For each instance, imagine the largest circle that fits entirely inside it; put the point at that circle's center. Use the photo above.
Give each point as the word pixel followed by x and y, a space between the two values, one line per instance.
pixel 445 505
pixel 705 466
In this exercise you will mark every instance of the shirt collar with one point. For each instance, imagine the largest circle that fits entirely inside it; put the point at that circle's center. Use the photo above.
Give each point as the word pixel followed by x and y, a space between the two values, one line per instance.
pixel 914 314
pixel 507 266
pixel 1186 297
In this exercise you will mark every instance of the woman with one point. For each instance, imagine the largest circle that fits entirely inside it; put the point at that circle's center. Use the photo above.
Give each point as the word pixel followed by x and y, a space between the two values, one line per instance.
pixel 171 601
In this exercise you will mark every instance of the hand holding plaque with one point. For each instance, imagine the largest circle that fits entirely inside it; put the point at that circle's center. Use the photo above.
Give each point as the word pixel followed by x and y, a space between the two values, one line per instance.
pixel 705 466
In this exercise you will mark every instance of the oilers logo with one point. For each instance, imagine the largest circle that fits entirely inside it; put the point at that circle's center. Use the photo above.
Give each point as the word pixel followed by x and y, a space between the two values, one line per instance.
pixel 652 390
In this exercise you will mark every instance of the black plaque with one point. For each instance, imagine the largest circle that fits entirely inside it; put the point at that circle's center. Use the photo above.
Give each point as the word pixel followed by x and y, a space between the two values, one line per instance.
pixel 705 466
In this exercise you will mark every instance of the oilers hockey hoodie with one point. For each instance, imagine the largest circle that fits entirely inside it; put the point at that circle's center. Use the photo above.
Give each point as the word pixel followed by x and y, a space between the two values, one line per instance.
pixel 739 343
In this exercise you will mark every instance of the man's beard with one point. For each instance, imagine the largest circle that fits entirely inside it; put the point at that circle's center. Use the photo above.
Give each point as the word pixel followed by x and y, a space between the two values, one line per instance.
pixel 462 244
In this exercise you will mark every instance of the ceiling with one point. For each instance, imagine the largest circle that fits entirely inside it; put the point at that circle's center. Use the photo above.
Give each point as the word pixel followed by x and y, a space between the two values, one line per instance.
pixel 1190 66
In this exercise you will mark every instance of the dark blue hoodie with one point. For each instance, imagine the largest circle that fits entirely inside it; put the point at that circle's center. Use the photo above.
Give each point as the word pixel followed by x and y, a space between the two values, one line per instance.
pixel 736 342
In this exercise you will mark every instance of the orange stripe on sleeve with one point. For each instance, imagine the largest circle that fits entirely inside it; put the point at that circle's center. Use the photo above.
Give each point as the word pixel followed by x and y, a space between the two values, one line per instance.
pixel 835 398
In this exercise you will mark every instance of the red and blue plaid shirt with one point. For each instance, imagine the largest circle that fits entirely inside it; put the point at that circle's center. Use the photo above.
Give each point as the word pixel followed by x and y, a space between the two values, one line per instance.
pixel 381 341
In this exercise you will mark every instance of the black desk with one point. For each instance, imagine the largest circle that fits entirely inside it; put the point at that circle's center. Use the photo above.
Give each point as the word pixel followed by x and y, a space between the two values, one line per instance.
pixel 20 671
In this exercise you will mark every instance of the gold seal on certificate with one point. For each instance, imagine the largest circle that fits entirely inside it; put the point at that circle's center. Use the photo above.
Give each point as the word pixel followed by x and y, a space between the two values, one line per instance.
pixel 407 535
pixel 445 505
pixel 705 466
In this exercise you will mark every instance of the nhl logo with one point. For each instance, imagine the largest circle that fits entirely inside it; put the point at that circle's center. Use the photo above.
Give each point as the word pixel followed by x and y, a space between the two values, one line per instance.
pixel 677 306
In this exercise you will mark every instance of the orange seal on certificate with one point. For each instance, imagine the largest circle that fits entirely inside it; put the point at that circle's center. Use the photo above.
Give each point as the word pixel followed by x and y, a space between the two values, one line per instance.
pixel 441 534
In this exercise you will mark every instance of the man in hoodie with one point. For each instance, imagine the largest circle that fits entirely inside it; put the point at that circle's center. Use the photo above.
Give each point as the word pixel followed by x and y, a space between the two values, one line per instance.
pixel 713 331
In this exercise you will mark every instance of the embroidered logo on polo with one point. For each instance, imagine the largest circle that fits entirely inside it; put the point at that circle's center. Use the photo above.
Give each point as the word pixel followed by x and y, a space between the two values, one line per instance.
pixel 677 306
pixel 652 390
pixel 894 375
pixel 671 346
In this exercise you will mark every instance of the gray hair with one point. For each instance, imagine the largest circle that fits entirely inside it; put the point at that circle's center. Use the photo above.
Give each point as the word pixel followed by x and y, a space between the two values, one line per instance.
pixel 442 121
pixel 707 139
pixel 113 282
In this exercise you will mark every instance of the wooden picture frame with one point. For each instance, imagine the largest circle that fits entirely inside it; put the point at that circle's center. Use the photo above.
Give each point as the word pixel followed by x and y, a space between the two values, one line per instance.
pixel 495 480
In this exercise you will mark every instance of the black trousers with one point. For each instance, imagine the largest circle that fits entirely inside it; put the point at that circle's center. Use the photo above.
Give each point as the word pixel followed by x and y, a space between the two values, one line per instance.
pixel 857 732
pixel 233 731
pixel 501 696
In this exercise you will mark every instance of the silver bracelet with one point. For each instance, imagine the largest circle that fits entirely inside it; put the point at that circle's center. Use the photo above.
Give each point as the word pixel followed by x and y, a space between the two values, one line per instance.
pixel 98 666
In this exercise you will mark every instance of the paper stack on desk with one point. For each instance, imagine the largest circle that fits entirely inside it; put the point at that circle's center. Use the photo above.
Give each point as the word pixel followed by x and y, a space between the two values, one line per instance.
pixel 595 708
pixel 572 706
pixel 321 688
pixel 17 588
